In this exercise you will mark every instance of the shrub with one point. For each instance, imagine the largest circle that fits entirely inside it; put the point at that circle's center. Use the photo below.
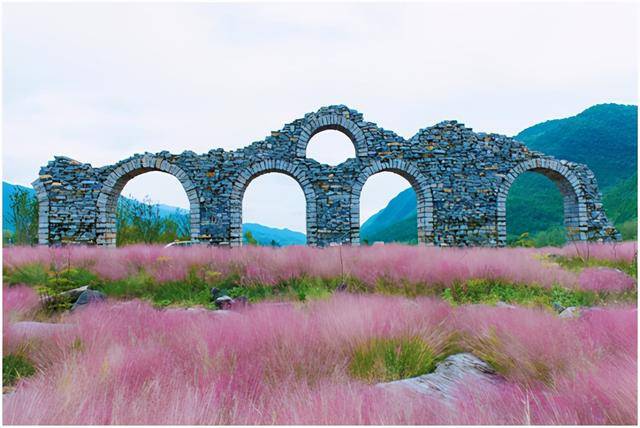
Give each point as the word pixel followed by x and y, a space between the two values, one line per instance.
pixel 384 360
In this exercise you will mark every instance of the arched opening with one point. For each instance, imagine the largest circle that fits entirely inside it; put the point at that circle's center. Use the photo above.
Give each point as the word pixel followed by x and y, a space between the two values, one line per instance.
pixel 407 217
pixel 388 210
pixel 534 212
pixel 274 211
pixel 152 208
pixel 122 173
pixel 541 206
pixel 331 147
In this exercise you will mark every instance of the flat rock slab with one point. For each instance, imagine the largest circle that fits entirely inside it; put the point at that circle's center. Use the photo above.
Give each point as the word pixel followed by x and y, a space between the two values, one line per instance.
pixel 36 330
pixel 449 374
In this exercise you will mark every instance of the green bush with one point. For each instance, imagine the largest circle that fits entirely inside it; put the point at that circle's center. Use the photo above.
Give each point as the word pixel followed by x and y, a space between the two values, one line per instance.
pixel 384 360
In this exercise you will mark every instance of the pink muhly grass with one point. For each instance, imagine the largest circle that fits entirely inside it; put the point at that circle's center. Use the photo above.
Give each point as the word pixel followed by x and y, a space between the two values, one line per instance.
pixel 605 279
pixel 537 345
pixel 128 363
pixel 19 300
pixel 602 394
pixel 412 264
pixel 626 251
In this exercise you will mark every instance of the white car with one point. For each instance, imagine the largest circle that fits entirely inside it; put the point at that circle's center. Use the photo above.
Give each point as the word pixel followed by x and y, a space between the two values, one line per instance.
pixel 181 244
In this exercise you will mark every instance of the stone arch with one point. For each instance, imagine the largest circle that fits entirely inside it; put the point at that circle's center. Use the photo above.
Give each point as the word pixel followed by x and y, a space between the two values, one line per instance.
pixel 575 208
pixel 43 212
pixel 120 176
pixel 418 181
pixel 336 122
pixel 264 167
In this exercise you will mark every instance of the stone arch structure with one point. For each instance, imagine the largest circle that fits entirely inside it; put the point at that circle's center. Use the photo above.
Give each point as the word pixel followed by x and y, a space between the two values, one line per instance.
pixel 245 177
pixel 336 122
pixel 418 182
pixel 461 178
pixel 107 200
pixel 574 199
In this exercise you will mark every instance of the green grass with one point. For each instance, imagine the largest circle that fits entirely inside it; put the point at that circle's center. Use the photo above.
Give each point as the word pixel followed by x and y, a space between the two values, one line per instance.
pixel 195 290
pixel 385 360
pixel 490 292
pixel 51 282
pixel 14 368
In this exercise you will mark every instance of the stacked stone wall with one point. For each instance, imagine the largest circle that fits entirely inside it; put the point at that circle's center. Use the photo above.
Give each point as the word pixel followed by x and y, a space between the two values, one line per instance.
pixel 461 179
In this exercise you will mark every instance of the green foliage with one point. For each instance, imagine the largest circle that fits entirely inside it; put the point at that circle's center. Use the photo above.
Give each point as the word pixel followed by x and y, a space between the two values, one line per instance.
pixel 196 288
pixel 490 292
pixel 621 202
pixel 14 368
pixel 388 359
pixel 629 230
pixel 521 241
pixel 23 218
pixel 142 222
pixel 30 274
pixel 50 282
pixel 603 136
pixel 249 239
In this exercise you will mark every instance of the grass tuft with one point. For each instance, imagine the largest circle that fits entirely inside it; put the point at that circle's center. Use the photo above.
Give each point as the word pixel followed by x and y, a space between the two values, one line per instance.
pixel 385 360
pixel 14 368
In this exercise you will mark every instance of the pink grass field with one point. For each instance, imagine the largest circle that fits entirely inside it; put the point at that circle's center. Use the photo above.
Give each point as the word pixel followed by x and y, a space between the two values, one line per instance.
pixel 414 264
pixel 128 363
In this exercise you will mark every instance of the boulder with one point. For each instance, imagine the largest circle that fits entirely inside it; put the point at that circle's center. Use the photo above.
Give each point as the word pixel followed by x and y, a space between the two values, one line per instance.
pixel 239 302
pixel 87 297
pixel 570 312
pixel 69 294
pixel 502 304
pixel 558 307
pixel 455 370
pixel 224 302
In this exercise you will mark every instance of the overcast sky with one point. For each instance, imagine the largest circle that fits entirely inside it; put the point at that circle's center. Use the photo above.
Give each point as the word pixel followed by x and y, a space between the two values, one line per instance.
pixel 100 82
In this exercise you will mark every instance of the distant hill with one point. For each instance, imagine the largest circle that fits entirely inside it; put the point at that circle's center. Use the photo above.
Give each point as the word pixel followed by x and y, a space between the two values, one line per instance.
pixel 263 234
pixel 397 222
pixel 603 136
pixel 266 235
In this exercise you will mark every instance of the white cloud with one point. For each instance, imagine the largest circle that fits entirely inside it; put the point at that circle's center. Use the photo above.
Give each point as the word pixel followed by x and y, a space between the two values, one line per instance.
pixel 100 81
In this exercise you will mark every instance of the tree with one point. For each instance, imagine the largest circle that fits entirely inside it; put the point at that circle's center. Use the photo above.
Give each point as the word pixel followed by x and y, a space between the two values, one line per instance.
pixel 141 222
pixel 248 236
pixel 24 217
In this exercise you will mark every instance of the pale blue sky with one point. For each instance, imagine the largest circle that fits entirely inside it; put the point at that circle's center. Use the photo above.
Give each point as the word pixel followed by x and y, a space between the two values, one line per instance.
pixel 99 82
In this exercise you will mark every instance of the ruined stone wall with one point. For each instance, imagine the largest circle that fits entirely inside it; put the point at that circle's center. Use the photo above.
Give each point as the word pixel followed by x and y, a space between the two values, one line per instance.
pixel 461 179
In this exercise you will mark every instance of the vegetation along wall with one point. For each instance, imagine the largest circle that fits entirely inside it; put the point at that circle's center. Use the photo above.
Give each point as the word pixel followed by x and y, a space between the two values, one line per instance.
pixel 461 180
